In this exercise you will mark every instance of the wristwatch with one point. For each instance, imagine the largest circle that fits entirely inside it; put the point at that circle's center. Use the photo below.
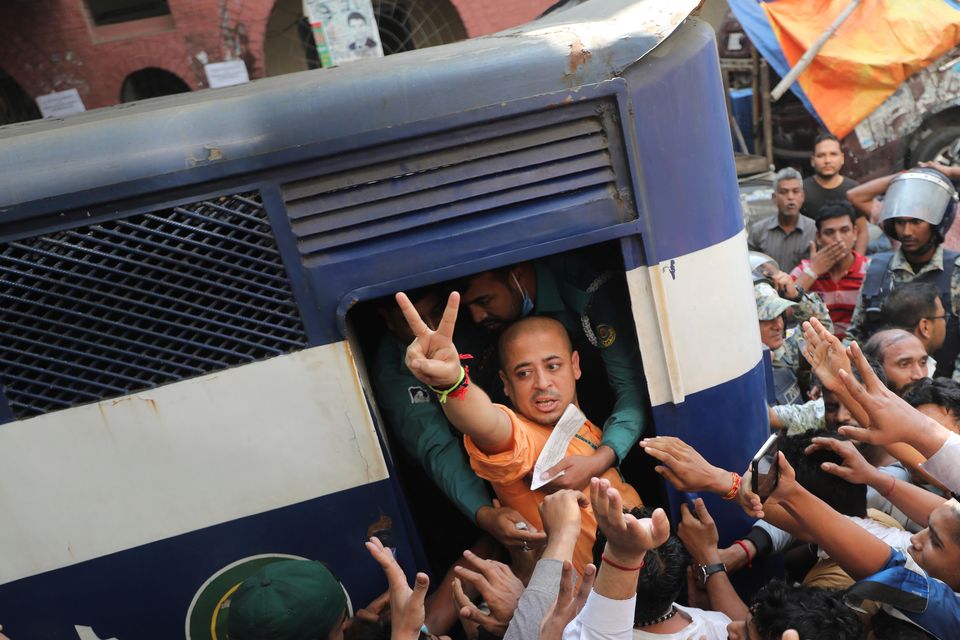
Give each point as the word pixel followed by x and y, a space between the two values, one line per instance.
pixel 704 571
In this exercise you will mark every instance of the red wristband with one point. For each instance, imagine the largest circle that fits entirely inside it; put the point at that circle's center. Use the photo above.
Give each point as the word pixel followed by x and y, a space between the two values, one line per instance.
pixel 735 489
pixel 746 550
pixel 604 558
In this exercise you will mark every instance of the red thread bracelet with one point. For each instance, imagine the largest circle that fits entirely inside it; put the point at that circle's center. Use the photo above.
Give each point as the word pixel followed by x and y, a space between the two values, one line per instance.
pixel 604 558
pixel 735 489
pixel 746 550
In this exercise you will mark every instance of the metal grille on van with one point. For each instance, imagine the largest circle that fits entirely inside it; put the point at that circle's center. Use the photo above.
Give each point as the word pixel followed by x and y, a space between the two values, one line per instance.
pixel 492 167
pixel 109 309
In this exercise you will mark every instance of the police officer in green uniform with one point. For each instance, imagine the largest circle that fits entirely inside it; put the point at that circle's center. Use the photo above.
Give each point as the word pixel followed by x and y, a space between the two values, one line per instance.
pixel 415 419
pixel 594 307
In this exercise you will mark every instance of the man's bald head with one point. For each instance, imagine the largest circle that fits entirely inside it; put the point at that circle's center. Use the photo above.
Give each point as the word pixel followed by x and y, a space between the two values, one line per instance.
pixel 539 369
pixel 523 329
pixel 902 355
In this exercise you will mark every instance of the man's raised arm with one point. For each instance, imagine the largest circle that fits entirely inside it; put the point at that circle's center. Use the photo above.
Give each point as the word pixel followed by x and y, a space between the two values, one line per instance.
pixel 434 360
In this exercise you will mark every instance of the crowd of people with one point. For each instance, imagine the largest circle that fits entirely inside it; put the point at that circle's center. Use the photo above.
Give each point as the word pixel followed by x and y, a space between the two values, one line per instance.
pixel 520 394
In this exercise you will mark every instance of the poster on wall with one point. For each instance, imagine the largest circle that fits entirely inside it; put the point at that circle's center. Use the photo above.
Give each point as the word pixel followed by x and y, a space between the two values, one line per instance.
pixel 60 104
pixel 343 30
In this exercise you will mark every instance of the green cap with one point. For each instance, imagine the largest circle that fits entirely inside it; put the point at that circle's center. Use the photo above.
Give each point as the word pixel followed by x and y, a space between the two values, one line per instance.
pixel 286 600
pixel 769 303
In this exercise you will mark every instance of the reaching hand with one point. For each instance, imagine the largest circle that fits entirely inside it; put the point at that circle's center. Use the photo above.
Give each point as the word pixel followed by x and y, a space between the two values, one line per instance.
pixel 498 587
pixel 684 467
pixel 748 500
pixel 377 610
pixel 406 604
pixel 787 484
pixel 568 603
pixel 577 470
pixel 891 419
pixel 501 523
pixel 853 468
pixel 785 285
pixel 628 539
pixel 699 533
pixel 825 354
pixel 432 356
pixel 560 513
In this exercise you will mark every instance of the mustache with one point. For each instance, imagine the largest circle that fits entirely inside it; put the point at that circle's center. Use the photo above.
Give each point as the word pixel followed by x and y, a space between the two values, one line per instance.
pixel 547 395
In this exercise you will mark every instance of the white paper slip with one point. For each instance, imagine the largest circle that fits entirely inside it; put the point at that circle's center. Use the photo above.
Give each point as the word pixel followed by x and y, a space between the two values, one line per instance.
pixel 555 449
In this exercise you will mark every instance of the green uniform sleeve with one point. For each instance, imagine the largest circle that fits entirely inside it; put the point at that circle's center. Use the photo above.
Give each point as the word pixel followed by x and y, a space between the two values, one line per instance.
pixel 812 305
pixel 797 418
pixel 855 330
pixel 416 420
pixel 616 337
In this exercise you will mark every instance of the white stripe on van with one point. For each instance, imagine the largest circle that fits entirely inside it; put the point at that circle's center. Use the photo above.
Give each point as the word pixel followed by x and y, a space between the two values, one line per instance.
pixel 84 482
pixel 696 320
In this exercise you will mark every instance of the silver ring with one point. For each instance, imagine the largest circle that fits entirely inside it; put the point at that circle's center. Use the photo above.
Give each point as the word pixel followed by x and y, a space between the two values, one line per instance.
pixel 522 526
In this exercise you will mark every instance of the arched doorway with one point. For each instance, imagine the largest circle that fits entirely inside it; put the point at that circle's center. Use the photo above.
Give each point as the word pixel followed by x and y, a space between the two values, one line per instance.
pixel 15 104
pixel 151 83
pixel 403 25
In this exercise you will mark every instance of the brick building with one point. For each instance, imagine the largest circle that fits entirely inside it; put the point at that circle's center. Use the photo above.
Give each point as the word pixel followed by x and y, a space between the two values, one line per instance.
pixel 114 51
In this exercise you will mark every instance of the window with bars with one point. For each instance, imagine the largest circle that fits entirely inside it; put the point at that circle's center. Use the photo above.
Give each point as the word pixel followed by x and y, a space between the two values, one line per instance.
pixel 113 308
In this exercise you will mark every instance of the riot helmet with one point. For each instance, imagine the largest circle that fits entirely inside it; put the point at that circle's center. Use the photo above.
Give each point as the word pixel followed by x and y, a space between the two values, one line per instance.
pixel 924 194
pixel 763 267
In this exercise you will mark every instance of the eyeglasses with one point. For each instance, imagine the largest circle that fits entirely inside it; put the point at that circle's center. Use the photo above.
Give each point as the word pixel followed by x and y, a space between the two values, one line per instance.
pixel 945 316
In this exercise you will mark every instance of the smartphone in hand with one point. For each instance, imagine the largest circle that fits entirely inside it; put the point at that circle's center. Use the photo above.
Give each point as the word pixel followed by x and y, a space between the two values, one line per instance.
pixel 765 468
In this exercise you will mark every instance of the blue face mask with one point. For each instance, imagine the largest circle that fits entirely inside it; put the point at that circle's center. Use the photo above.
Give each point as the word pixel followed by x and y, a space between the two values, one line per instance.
pixel 527 307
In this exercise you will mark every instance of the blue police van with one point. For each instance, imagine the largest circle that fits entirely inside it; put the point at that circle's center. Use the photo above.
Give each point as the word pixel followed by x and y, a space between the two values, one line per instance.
pixel 183 397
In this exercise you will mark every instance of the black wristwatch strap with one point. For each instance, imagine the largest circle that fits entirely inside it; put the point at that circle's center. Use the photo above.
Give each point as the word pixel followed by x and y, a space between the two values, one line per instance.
pixel 707 570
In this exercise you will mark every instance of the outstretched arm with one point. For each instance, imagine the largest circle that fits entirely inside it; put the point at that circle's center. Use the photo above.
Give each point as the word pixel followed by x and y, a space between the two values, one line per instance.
pixel 433 359
pixel 699 535
pixel 827 358
pixel 857 552
pixel 915 502
pixel 890 419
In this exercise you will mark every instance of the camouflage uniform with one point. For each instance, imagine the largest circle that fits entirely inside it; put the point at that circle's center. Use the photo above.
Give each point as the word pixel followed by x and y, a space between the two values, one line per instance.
pixel 798 418
pixel 810 305
pixel 788 355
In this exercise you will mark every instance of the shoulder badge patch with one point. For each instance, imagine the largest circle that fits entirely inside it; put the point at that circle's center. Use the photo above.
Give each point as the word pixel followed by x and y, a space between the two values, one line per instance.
pixel 606 335
pixel 418 395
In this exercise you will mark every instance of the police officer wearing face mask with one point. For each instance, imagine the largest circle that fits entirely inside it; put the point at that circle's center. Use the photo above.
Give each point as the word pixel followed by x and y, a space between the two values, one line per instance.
pixel 594 308
pixel 918 209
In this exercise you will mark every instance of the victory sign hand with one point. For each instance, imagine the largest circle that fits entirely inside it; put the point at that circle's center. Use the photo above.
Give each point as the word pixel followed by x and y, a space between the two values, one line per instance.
pixel 432 356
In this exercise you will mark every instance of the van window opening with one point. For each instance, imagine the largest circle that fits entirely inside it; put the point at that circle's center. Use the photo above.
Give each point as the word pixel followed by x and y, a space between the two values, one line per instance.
pixel 444 529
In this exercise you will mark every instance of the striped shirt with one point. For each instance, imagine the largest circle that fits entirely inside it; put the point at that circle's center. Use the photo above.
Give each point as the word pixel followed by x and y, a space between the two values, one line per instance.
pixel 841 295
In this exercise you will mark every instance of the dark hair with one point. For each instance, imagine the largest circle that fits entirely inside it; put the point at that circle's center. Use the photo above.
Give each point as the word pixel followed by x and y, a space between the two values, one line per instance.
pixel 812 612
pixel 356 15
pixel 363 629
pixel 886 627
pixel 835 209
pixel 415 295
pixel 942 392
pixel 823 136
pixel 662 577
pixel 501 274
pixel 845 497
pixel 908 304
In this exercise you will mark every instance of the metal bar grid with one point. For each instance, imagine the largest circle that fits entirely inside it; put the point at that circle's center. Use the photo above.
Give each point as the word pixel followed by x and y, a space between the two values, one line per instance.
pixel 118 307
